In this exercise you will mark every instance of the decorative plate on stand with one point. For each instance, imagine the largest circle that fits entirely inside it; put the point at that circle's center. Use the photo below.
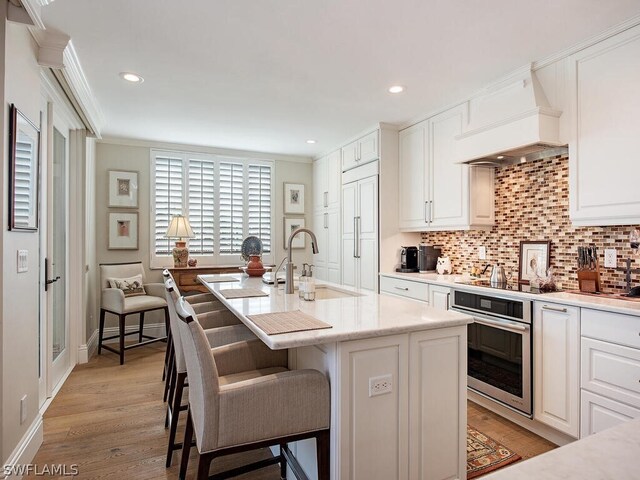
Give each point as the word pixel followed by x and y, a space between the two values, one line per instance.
pixel 251 246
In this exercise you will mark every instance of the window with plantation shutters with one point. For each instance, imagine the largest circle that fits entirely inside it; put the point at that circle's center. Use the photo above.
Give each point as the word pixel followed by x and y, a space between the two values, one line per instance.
pixel 225 198
pixel 231 225
pixel 259 201
pixel 168 199
pixel 25 179
pixel 200 194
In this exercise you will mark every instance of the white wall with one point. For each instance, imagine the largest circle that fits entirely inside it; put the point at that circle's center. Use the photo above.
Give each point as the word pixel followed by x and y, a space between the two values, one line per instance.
pixel 135 155
pixel 20 292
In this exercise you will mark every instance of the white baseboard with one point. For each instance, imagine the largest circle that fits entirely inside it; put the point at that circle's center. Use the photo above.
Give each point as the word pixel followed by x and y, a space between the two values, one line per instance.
pixel 24 452
pixel 151 329
pixel 86 351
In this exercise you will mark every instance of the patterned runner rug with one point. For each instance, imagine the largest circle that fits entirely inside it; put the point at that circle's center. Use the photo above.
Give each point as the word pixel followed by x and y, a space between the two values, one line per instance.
pixel 485 455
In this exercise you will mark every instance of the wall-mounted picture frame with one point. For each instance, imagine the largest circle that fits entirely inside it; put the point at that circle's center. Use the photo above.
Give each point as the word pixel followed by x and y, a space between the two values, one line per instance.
pixel 534 260
pixel 123 189
pixel 294 198
pixel 24 172
pixel 291 224
pixel 123 231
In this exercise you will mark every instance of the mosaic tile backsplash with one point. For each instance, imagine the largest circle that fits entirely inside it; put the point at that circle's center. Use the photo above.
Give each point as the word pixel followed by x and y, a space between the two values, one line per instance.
pixel 532 203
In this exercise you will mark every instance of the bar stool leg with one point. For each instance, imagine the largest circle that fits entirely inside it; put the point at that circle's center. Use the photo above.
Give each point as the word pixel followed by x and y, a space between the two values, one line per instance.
pixel 101 329
pixel 122 325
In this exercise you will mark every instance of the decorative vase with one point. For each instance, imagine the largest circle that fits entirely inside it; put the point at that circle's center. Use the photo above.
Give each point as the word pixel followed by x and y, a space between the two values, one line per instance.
pixel 255 268
pixel 180 255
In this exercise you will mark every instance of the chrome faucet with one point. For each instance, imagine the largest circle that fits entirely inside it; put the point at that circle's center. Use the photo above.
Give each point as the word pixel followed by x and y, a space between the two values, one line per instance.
pixel 288 284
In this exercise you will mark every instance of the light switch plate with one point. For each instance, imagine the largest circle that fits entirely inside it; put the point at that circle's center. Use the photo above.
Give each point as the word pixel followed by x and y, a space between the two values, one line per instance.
pixel 23 261
pixel 482 253
pixel 610 258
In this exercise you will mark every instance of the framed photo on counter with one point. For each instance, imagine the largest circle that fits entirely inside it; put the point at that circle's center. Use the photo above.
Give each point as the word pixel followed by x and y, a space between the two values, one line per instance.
pixel 534 260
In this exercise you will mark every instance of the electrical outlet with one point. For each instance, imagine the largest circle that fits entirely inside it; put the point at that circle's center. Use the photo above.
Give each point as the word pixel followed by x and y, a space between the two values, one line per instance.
pixel 482 253
pixel 610 258
pixel 380 385
pixel 23 261
pixel 23 409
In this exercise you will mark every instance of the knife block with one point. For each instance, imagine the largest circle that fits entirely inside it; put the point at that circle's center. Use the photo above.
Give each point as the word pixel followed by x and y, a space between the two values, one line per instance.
pixel 589 280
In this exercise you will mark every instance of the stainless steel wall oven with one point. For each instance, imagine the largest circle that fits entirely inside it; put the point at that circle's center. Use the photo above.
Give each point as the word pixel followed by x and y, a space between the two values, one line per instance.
pixel 499 347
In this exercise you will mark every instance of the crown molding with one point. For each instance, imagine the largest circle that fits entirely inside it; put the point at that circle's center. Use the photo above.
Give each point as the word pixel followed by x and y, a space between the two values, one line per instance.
pixel 79 90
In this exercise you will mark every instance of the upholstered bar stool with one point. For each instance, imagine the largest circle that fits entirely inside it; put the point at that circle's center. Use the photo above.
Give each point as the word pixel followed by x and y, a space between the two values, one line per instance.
pixel 242 397
pixel 124 293
pixel 222 335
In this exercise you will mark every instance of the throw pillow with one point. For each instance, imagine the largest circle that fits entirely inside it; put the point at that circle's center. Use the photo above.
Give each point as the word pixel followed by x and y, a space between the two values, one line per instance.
pixel 130 286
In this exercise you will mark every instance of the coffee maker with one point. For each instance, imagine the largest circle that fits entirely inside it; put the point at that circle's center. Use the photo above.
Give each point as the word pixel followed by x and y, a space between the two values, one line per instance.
pixel 408 260
pixel 428 258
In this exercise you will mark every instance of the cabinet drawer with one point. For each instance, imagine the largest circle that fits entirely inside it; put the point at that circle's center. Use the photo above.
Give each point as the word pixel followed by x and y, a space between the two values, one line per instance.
pixel 611 327
pixel 405 288
pixel 599 413
pixel 611 370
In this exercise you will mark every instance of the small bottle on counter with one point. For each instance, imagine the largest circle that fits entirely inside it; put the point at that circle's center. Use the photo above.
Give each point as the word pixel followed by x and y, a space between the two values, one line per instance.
pixel 310 286
pixel 302 283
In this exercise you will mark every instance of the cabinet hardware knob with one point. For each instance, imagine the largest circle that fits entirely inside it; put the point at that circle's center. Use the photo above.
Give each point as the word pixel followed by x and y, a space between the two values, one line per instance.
pixel 554 309
pixel 406 289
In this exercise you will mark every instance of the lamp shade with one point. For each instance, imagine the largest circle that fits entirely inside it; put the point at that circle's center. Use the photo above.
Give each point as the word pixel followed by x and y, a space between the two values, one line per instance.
pixel 179 228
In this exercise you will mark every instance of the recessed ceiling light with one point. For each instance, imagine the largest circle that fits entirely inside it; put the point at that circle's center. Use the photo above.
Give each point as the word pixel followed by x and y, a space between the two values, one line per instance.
pixel 396 89
pixel 311 141
pixel 500 157
pixel 131 77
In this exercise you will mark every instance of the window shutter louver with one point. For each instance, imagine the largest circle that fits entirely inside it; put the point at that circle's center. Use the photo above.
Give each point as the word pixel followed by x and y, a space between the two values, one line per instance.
pixel 231 218
pixel 259 204
pixel 201 206
pixel 25 178
pixel 168 199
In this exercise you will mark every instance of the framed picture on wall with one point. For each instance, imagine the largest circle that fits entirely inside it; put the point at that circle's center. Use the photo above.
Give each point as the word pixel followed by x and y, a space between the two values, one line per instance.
pixel 534 260
pixel 291 224
pixel 123 231
pixel 293 198
pixel 123 189
pixel 24 172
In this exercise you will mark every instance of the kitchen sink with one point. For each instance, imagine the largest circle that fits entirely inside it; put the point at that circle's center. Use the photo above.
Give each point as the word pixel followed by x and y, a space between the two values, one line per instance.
pixel 325 292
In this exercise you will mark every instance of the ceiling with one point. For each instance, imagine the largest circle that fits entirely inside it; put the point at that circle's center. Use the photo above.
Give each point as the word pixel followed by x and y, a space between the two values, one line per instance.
pixel 267 75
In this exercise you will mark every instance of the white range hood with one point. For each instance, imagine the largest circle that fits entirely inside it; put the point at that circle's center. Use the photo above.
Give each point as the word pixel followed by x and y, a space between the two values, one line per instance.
pixel 513 120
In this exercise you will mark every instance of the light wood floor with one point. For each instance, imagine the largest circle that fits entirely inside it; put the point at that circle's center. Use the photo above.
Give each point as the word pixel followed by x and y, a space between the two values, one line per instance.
pixel 109 420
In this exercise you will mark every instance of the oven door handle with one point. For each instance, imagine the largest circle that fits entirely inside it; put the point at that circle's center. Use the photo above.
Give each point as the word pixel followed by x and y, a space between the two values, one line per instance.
pixel 510 326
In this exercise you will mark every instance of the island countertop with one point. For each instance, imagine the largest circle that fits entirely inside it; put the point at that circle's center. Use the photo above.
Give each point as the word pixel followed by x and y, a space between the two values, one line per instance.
pixel 356 315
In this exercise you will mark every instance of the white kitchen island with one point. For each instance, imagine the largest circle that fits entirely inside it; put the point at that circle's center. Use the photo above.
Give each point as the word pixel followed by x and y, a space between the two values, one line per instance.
pixel 397 370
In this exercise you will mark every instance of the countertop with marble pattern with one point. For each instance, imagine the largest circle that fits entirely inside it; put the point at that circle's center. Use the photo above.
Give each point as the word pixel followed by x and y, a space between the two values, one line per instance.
pixel 609 304
pixel 357 315
pixel 610 454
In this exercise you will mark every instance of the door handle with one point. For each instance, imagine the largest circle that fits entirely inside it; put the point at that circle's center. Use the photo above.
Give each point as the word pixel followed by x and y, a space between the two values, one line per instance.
pixel 358 230
pixel 554 309
pixel 326 199
pixel 325 220
pixel 430 211
pixel 47 280
pixel 426 219
pixel 355 236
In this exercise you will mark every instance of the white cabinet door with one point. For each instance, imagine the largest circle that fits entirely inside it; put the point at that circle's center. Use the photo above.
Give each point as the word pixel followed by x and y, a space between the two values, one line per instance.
pixel 332 223
pixel 334 180
pixel 449 181
pixel 368 148
pixel 320 186
pixel 349 213
pixel 603 163
pixel 439 297
pixel 600 413
pixel 350 156
pixel 482 204
pixel 413 185
pixel 556 372
pixel 367 233
pixel 320 259
pixel 438 404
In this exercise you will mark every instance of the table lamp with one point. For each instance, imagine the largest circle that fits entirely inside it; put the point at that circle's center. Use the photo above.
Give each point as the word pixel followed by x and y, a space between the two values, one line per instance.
pixel 179 229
